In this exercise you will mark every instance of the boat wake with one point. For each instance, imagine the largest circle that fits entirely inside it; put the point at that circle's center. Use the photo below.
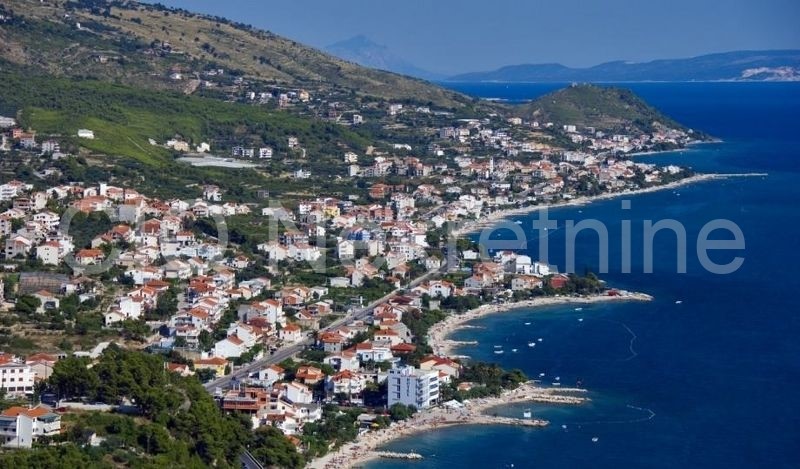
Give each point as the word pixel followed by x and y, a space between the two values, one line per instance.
pixel 650 416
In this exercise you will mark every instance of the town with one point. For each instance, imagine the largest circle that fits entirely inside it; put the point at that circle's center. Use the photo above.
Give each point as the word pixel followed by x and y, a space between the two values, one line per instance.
pixel 329 304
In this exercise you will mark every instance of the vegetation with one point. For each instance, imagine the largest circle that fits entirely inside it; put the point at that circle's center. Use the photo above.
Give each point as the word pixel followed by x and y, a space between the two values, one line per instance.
pixel 179 423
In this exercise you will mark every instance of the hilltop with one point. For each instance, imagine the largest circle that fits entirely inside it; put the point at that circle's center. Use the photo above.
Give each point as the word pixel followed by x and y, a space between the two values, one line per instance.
pixel 604 108
pixel 363 51
pixel 768 65
pixel 144 44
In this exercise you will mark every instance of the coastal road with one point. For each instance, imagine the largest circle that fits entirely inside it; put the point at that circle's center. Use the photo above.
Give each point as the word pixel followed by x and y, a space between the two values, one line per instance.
pixel 287 352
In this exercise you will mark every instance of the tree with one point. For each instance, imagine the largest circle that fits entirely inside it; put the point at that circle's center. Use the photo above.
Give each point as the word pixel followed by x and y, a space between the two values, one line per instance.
pixel 27 304
pixel 400 411
pixel 271 447
pixel 71 378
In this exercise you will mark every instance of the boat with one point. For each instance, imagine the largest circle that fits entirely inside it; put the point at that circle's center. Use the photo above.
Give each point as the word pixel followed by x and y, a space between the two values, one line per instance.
pixel 558 378
pixel 518 222
pixel 531 344
pixel 541 374
pixel 578 309
pixel 527 414
pixel 514 350
pixel 580 319
pixel 498 346
pixel 527 324
pixel 679 302
pixel 555 384
pixel 595 439
pixel 498 352
pixel 540 339
pixel 564 427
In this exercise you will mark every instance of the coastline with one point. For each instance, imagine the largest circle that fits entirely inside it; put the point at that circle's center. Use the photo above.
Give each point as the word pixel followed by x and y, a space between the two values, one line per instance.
pixel 499 215
pixel 438 333
pixel 365 447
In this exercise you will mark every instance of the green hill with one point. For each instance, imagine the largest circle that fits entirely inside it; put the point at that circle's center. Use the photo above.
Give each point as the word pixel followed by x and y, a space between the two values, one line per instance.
pixel 605 108
pixel 142 44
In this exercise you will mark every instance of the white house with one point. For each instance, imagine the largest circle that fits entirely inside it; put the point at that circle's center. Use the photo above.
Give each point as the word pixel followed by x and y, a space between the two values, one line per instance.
pixel 291 333
pixel 16 377
pixel 411 386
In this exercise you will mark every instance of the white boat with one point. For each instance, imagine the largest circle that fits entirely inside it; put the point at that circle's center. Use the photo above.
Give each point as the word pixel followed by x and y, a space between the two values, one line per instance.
pixel 556 384
pixel 518 222
pixel 564 427
pixel 527 324
pixel 540 339
pixel 541 374
pixel 580 319
pixel 531 344
pixel 558 378
pixel 578 309
pixel 679 302
pixel 595 439
pixel 527 414
pixel 498 346
pixel 498 352
pixel 514 350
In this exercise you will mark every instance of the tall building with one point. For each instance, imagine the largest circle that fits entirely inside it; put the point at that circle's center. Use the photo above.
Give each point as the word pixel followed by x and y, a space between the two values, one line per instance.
pixel 410 386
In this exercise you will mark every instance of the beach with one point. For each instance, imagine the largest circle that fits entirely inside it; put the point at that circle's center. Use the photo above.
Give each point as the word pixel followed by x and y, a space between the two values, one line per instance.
pixel 437 335
pixel 497 216
pixel 473 412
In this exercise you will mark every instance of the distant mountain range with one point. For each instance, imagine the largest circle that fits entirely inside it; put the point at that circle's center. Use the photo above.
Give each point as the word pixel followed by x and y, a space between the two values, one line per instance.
pixel 769 65
pixel 363 51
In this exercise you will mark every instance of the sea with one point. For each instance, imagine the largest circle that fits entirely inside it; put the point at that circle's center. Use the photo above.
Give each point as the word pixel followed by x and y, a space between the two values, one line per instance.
pixel 705 376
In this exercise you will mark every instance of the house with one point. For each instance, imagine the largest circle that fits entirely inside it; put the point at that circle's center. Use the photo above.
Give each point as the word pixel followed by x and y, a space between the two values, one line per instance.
pixel 558 281
pixel 86 133
pixel 373 351
pixel 346 382
pixel 16 377
pixel 216 364
pixel 49 253
pixel 297 393
pixel 332 342
pixel 20 426
pixel 342 361
pixel 291 333
pixel 89 256
pixel 271 374
pixel 47 301
pixel 17 246
pixel 309 375
pixel 525 282
pixel 443 364
pixel 231 346
pixel 42 365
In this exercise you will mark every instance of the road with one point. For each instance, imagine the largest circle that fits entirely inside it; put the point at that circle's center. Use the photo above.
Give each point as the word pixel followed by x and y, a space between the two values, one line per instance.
pixel 287 352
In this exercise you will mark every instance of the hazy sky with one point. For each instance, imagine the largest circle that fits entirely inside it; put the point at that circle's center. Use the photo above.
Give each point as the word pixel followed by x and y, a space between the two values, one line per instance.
pixel 451 36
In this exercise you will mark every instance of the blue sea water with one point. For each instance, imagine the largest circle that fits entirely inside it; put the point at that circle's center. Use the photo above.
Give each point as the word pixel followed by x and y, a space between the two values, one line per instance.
pixel 710 382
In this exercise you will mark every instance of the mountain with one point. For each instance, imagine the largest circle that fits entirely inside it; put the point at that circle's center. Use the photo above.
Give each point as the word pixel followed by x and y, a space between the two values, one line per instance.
pixel 770 65
pixel 363 51
pixel 143 44
pixel 604 108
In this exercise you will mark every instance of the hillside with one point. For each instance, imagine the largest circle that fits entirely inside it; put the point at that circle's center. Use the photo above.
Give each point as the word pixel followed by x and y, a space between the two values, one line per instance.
pixel 605 108
pixel 143 44
pixel 779 65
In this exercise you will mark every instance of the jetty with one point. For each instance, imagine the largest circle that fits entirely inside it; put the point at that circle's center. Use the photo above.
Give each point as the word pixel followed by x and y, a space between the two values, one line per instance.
pixel 396 455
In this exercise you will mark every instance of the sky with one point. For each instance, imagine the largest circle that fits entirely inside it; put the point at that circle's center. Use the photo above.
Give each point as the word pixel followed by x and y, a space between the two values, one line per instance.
pixel 455 36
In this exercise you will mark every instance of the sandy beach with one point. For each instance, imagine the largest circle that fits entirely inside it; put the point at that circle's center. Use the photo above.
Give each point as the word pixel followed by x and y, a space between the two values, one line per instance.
pixel 493 218
pixel 364 449
pixel 437 335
